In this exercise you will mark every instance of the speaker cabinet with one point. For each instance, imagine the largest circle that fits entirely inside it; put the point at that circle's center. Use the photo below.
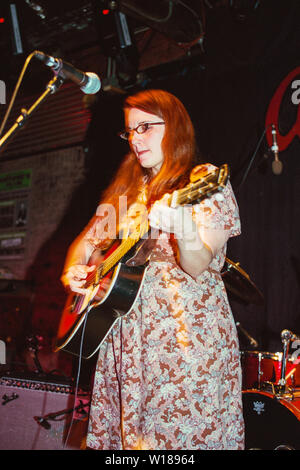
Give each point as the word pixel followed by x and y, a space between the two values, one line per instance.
pixel 42 415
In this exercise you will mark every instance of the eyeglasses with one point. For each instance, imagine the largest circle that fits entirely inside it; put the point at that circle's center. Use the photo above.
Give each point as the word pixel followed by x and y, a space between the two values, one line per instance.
pixel 140 129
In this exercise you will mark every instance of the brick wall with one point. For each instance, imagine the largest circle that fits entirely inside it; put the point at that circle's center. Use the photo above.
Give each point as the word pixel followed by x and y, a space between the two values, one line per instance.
pixel 56 176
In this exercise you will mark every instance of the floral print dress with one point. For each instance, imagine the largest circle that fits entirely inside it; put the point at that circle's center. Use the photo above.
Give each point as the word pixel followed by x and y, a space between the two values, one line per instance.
pixel 168 375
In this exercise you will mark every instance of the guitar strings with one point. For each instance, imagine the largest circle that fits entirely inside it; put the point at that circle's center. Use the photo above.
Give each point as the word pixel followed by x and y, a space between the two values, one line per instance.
pixel 113 258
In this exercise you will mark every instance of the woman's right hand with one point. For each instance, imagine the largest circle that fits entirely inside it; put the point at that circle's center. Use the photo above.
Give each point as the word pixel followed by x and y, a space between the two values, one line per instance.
pixel 74 277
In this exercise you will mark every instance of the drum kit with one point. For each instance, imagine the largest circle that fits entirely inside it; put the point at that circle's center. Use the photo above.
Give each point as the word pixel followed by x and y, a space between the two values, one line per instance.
pixel 270 381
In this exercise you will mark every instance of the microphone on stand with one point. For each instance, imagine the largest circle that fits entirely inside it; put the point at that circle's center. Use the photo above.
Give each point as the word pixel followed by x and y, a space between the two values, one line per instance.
pixel 252 341
pixel 276 164
pixel 89 82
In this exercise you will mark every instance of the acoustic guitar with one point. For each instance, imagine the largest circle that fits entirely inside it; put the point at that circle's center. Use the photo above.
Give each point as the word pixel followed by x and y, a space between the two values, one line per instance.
pixel 114 285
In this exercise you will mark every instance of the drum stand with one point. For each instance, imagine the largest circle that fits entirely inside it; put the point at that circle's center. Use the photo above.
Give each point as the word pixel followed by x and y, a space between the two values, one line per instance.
pixel 281 388
pixel 286 336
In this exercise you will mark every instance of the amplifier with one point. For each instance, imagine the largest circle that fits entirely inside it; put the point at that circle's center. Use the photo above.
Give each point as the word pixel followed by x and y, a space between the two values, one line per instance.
pixel 42 414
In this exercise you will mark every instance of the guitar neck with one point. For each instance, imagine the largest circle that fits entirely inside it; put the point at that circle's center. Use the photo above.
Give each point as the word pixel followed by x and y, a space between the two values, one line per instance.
pixel 118 254
pixel 109 263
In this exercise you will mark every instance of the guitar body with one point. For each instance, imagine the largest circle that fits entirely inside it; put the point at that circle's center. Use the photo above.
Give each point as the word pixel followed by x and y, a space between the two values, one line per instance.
pixel 82 334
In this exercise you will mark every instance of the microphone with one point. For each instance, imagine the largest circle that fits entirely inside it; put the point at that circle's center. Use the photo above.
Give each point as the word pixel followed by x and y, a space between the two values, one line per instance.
pixel 276 164
pixel 252 341
pixel 89 82
pixel 287 335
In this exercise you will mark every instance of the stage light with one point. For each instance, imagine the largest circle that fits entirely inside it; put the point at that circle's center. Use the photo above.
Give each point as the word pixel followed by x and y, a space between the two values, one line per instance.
pixel 118 45
pixel 2 20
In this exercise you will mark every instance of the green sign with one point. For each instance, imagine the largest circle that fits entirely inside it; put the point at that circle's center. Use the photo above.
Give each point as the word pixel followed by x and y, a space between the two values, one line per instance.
pixel 4 236
pixel 14 180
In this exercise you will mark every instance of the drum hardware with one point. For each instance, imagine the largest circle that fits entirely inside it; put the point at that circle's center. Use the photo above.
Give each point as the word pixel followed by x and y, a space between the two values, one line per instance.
pixel 285 338
pixel 289 394
pixel 259 368
pixel 284 447
pixel 291 374
pixel 251 340
pixel 259 371
pixel 238 284
pixel 276 372
pixel 262 370
pixel 270 387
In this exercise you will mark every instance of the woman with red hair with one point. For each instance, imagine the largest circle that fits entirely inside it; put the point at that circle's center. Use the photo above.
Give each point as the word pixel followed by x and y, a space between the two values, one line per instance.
pixel 168 373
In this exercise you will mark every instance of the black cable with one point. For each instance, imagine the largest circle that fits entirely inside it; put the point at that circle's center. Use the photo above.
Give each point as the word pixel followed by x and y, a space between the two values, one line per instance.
pixel 251 162
pixel 77 379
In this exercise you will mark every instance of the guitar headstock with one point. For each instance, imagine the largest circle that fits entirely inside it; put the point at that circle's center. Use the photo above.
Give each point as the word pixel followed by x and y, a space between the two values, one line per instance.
pixel 201 185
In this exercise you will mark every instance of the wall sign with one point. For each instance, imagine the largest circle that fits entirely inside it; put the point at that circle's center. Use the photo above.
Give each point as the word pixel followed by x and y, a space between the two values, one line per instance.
pixel 14 192
pixel 290 85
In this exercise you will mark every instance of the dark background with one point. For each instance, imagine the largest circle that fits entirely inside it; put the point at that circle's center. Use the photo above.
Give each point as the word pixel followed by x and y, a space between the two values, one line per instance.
pixel 227 87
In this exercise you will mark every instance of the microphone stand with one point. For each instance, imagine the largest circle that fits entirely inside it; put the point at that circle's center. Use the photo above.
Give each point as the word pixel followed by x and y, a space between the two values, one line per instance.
pixel 285 336
pixel 33 347
pixel 281 389
pixel 51 88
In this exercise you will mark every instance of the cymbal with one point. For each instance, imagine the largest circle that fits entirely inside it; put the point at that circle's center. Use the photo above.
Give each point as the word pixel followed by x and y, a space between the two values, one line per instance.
pixel 238 284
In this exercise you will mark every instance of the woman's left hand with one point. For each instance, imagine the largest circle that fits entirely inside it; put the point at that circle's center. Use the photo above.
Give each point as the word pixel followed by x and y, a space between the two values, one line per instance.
pixel 178 221
pixel 194 255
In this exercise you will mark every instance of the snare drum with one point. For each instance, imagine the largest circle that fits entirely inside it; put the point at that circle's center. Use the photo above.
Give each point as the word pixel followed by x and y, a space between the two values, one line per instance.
pixel 259 367
pixel 271 423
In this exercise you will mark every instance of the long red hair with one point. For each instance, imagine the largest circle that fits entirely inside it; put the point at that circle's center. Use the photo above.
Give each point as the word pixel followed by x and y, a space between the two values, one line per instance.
pixel 178 147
